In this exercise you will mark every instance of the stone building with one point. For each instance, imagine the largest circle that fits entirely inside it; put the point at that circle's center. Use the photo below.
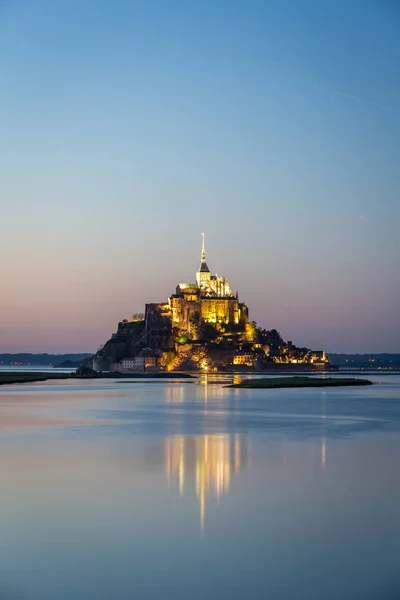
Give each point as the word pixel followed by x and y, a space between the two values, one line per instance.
pixel 210 299
pixel 244 357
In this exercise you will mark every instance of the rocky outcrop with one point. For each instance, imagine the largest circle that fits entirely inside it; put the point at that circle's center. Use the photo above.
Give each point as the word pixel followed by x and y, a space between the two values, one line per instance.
pixel 86 372
pixel 127 341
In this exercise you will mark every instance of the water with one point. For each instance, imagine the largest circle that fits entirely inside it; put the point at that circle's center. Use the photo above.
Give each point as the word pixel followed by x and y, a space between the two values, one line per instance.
pixel 115 490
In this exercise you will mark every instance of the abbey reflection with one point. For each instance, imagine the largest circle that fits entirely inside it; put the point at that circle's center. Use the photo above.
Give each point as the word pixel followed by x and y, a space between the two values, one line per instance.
pixel 323 429
pixel 206 462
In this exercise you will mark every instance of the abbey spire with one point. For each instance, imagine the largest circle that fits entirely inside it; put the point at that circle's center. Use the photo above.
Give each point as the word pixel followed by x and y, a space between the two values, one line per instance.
pixel 203 250
pixel 203 273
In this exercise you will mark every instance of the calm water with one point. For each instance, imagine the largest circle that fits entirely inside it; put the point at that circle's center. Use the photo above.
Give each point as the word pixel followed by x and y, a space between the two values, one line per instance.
pixel 113 490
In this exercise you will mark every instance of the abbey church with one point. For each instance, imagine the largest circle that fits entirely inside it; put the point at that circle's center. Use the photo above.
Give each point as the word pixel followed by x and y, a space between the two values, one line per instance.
pixel 209 299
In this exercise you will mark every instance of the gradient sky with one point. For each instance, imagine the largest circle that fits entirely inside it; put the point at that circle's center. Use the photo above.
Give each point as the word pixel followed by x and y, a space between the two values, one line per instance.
pixel 128 128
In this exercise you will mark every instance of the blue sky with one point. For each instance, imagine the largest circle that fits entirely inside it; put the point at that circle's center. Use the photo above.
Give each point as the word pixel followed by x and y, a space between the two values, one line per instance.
pixel 128 128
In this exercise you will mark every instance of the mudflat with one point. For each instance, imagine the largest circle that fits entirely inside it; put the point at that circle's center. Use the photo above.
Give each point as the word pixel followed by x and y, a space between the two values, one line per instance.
pixel 8 377
pixel 299 382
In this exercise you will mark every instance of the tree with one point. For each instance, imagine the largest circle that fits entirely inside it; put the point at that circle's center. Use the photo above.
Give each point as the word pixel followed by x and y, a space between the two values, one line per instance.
pixel 271 338
pixel 210 333
pixel 196 326
pixel 251 332
pixel 168 360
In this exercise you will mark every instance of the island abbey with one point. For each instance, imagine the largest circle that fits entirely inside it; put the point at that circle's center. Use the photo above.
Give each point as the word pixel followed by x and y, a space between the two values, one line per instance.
pixel 203 325
pixel 209 299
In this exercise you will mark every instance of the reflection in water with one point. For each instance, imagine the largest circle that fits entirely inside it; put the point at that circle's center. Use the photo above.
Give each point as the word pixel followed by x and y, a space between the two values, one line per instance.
pixel 86 511
pixel 212 459
pixel 323 453
pixel 220 379
pixel 323 440
pixel 174 395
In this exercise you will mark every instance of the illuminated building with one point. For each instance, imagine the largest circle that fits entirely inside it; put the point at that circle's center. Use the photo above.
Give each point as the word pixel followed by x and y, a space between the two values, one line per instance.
pixel 243 357
pixel 291 354
pixel 210 299
pixel 202 326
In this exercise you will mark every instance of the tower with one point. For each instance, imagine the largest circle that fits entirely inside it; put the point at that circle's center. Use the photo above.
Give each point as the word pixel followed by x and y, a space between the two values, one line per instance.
pixel 203 274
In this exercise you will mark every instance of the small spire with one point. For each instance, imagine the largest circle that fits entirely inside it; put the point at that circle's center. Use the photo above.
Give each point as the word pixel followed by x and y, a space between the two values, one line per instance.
pixel 203 268
pixel 203 251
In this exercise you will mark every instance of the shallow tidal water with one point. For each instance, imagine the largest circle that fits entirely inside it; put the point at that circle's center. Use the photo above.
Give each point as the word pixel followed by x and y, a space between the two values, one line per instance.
pixel 162 489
